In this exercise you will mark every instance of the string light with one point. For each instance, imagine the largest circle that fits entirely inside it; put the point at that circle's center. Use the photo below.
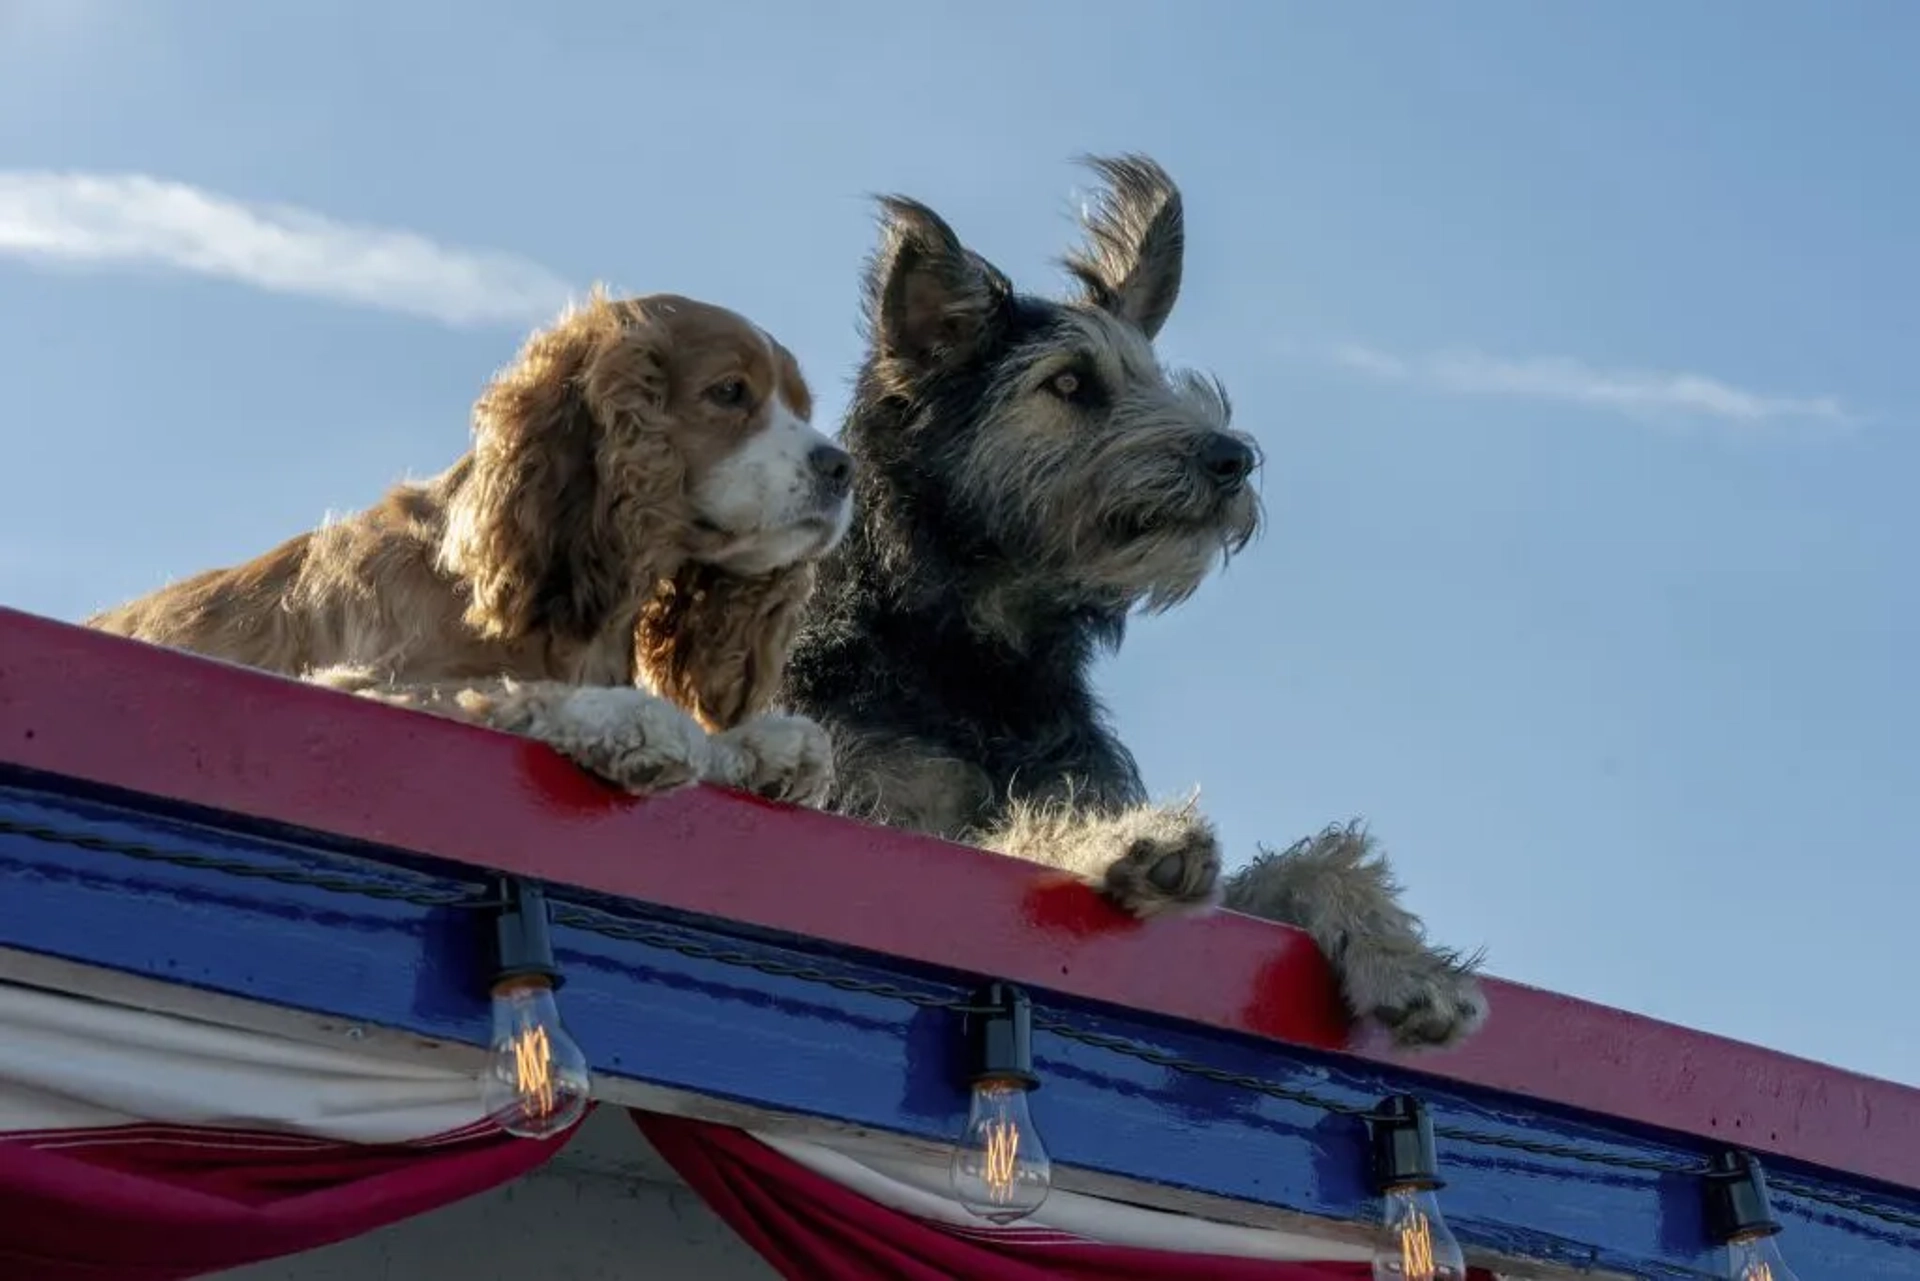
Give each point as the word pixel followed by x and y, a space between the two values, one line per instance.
pixel 1000 1170
pixel 536 1082
pixel 1415 1243
pixel 1740 1218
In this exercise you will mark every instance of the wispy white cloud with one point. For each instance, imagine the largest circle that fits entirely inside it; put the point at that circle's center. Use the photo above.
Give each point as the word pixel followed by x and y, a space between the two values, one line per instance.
pixel 124 220
pixel 1640 393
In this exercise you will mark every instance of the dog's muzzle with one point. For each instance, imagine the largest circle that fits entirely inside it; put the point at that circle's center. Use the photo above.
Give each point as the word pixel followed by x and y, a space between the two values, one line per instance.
pixel 1226 461
pixel 832 471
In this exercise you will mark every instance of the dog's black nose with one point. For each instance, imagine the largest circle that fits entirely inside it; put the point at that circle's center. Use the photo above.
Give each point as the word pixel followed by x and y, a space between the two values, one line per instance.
pixel 832 467
pixel 1227 460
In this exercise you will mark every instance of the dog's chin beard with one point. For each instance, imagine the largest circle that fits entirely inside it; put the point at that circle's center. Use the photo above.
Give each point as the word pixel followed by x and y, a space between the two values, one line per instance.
pixel 1153 560
pixel 1225 521
pixel 1175 576
pixel 1129 528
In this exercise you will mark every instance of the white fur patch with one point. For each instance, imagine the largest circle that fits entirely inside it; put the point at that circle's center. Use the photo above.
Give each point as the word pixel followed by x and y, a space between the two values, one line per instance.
pixel 616 712
pixel 766 494
pixel 789 757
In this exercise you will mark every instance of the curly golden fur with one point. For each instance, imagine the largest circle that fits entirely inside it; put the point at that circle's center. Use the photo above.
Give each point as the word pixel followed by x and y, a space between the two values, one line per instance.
pixel 640 511
pixel 716 643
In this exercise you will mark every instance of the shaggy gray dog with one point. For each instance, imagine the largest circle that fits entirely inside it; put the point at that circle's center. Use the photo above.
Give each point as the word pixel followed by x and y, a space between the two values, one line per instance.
pixel 1027 475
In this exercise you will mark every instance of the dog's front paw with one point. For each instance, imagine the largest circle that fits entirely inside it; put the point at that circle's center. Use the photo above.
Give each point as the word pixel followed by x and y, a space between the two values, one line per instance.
pixel 781 757
pixel 632 739
pixel 1426 999
pixel 1169 862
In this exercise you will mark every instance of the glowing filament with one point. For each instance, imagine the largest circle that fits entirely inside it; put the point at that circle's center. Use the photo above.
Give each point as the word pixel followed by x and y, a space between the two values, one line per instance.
pixel 1416 1248
pixel 532 1074
pixel 1415 1244
pixel 1002 1150
pixel 1000 1170
pixel 536 1083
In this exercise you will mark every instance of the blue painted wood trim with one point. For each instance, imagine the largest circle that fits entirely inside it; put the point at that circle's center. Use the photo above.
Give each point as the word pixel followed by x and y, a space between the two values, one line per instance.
pixel 697 1006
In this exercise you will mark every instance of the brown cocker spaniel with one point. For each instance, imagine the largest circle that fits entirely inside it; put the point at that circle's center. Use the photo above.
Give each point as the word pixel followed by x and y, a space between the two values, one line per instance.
pixel 615 568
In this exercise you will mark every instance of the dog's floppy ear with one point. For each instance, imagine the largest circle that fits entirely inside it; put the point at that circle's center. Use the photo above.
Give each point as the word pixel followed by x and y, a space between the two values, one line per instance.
pixel 529 528
pixel 930 300
pixel 716 643
pixel 1136 242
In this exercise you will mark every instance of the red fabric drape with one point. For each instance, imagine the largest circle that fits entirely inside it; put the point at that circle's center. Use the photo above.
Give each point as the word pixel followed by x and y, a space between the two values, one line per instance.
pixel 150 1203
pixel 811 1229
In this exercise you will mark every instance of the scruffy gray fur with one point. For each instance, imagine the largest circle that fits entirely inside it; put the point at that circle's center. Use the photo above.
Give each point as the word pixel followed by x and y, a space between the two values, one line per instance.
pixel 1027 475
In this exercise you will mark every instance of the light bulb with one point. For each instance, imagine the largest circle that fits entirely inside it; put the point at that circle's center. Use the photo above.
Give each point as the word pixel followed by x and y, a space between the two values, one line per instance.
pixel 536 1083
pixel 1756 1258
pixel 1738 1214
pixel 1416 1245
pixel 1000 1169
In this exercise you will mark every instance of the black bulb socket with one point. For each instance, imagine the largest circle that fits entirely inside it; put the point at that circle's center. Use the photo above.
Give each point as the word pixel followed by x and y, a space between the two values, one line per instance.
pixel 1403 1152
pixel 1737 1198
pixel 522 932
pixel 1000 1032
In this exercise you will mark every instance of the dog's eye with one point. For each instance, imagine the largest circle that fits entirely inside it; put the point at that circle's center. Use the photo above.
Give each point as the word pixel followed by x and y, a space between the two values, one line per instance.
pixel 729 393
pixel 1066 385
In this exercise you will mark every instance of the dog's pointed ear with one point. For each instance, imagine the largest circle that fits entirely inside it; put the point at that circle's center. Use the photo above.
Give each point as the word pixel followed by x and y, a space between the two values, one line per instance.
pixel 1136 242
pixel 930 301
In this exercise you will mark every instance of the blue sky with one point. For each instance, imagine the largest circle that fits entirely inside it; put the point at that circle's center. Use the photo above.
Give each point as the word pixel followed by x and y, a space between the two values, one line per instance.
pixel 1580 339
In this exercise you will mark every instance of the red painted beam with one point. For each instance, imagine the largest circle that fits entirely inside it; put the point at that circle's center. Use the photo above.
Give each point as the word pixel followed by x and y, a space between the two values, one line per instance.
pixel 94 707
